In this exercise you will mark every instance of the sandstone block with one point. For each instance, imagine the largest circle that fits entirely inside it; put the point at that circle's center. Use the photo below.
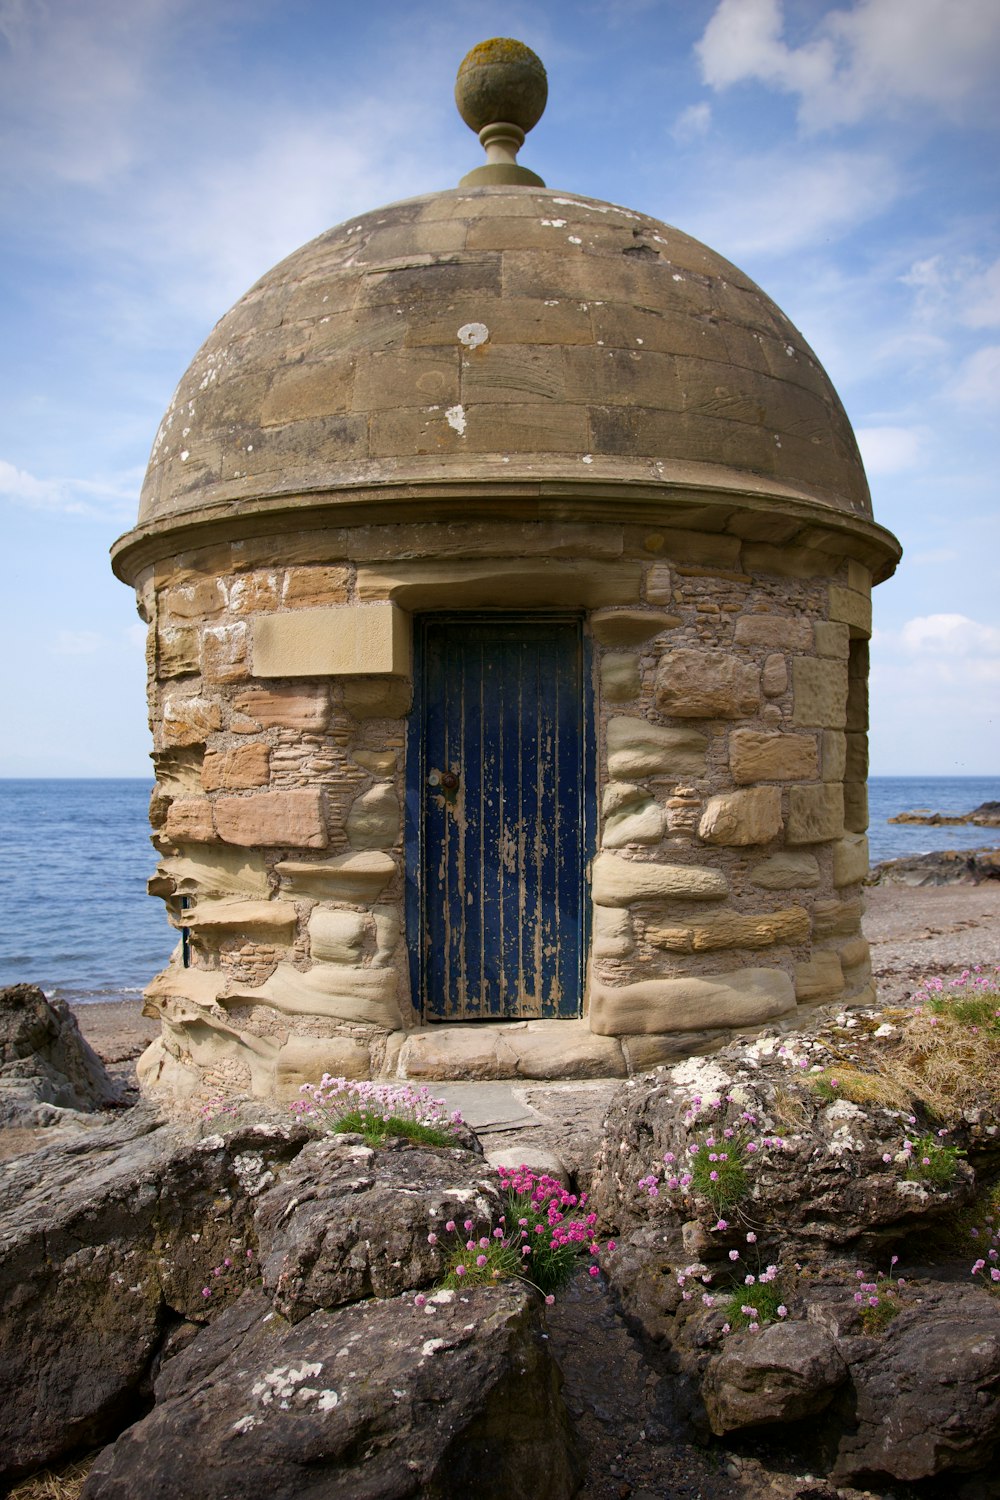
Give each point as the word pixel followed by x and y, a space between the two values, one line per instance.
pixel 746 817
pixel 341 640
pixel 819 979
pixel 275 918
pixel 213 873
pixel 358 878
pixel 850 859
pixel 693 684
pixel 309 586
pixel 853 953
pixel 643 824
pixel 774 676
pixel 373 821
pixel 286 707
pixel 189 721
pixel 786 562
pixel 858 576
pixel 786 872
pixel 732 929
pixel 658 584
pixel 178 772
pixel 619 794
pixel 620 677
pixel 638 749
pixel 377 698
pixel 304 1059
pixel 503 583
pixel 565 1049
pixel 833 757
pixel 293 819
pixel 836 918
pixel 224 653
pixel 855 806
pixel 240 769
pixel 189 820
pixel 815 813
pixel 621 882
pixel 773 630
pixel 852 608
pixel 177 652
pixel 336 991
pixel 388 930
pixel 856 758
pixel 198 600
pixel 746 997
pixel 832 639
pixel 771 757
pixel 380 763
pixel 251 593
pixel 612 927
pixel 819 690
pixel 630 627
pixel 337 936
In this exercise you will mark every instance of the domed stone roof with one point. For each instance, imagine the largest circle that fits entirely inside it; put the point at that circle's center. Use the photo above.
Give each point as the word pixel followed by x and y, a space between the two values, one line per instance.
pixel 506 334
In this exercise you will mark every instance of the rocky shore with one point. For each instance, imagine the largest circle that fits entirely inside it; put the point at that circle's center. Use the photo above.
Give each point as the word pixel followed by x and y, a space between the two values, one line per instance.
pixel 986 815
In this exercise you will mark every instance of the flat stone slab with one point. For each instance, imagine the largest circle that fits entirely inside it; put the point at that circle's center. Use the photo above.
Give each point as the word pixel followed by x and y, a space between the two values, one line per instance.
pixel 488 1106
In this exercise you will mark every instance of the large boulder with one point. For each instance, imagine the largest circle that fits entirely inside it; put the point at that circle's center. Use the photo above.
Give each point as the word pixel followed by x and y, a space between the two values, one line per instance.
pixel 370 1401
pixel 45 1065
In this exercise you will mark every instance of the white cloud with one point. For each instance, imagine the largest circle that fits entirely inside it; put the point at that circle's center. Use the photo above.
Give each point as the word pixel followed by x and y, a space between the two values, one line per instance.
pixel 874 58
pixel 693 122
pixel 100 499
pixel 889 450
pixel 977 383
pixel 776 204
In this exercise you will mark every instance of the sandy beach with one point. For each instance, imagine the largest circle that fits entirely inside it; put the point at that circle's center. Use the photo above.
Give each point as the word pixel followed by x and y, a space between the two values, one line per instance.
pixel 914 933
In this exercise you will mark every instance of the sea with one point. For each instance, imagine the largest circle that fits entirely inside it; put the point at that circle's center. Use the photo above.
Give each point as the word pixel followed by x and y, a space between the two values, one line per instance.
pixel 75 857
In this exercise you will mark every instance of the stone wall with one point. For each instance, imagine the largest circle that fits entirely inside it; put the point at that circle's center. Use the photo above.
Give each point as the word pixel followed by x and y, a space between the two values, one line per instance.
pixel 731 683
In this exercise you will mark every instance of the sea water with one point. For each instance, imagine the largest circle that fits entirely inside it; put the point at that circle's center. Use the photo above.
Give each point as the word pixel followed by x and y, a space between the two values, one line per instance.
pixel 75 857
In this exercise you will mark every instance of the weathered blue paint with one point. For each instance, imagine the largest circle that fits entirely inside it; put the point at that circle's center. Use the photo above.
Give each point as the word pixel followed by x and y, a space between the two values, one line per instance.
pixel 496 864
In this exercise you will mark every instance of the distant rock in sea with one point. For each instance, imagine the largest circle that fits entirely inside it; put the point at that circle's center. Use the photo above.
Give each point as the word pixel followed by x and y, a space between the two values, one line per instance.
pixel 941 867
pixel 986 815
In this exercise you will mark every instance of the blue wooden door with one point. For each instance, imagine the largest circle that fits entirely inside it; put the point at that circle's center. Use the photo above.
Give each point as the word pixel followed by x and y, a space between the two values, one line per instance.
pixel 499 806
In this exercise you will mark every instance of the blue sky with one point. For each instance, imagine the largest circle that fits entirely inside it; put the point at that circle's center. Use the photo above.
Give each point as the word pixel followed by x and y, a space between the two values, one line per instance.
pixel 156 156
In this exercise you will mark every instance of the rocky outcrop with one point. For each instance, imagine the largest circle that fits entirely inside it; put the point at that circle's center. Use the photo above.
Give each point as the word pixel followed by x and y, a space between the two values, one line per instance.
pixel 941 867
pixel 46 1067
pixel 986 815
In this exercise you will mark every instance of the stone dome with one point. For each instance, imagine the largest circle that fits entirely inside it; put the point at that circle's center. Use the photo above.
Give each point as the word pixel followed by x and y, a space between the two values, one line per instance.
pixel 494 346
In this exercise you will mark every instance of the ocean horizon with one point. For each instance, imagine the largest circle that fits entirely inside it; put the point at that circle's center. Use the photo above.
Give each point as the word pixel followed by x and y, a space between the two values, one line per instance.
pixel 75 857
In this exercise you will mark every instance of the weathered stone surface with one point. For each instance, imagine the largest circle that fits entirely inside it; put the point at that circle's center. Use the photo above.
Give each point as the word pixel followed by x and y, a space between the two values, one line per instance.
pixel 360 877
pixel 214 872
pixel 771 757
pixel 833 756
pixel 638 749
pixel 854 953
pixel 621 794
pixel 373 821
pixel 46 1066
pixel 338 640
pixel 621 882
pixel 286 707
pixel 659 587
pixel 786 872
pixel 630 627
pixel 189 721
pixel 503 583
pixel 815 813
pixel 774 676
pixel 745 997
pixel 850 859
pixel 526 1049
pixel 240 769
pixel 377 697
pixel 337 936
pixel 836 918
pixel 278 1412
pixel 819 689
pixel 926 1391
pixel 341 992
pixel 642 823
pixel 785 1372
pixel 818 979
pixel 381 763
pixel 612 932
pixel 277 918
pixel 855 806
pixel 747 817
pixel 305 1059
pixel 312 585
pixel 852 608
pixel 224 653
pixel 189 820
pixel 291 819
pixel 620 676
pixel 199 599
pixel 693 684
pixel 786 631
pixel 177 651
pixel 832 639
pixel 104 1241
pixel 732 929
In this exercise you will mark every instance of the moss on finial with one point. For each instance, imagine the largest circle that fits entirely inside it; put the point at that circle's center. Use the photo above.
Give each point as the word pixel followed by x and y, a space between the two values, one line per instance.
pixel 501 80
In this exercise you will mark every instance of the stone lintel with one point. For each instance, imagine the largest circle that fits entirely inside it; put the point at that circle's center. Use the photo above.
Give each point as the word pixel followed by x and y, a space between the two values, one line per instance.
pixel 339 640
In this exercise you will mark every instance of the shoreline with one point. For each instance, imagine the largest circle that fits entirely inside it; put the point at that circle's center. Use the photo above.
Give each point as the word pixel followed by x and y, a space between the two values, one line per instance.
pixel 915 932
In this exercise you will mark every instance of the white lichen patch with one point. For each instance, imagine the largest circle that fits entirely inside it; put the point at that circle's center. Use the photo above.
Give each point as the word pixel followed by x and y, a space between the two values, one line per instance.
pixel 554 223
pixel 282 1384
pixel 252 1173
pixel 701 1076
pixel 456 418
pixel 430 1346
pixel 473 334
pixel 246 1424
pixel 596 208
pixel 574 239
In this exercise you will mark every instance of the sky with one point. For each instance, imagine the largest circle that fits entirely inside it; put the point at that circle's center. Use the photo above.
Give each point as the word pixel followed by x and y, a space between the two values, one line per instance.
pixel 157 156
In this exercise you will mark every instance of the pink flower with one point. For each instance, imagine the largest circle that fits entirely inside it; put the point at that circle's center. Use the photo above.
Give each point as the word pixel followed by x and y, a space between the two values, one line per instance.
pixel 206 1291
pixel 594 1271
pixel 751 1238
pixel 459 1270
pixel 420 1300
pixel 480 1260
pixel 549 1300
pixel 450 1226
pixel 734 1255
pixel 782 1311
pixel 432 1239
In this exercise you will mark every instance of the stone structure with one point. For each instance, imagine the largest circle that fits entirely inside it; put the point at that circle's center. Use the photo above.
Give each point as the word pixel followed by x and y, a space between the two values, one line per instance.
pixel 501 402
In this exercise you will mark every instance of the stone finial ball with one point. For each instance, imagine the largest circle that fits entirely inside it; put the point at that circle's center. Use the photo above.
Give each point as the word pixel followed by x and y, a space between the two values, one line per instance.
pixel 501 80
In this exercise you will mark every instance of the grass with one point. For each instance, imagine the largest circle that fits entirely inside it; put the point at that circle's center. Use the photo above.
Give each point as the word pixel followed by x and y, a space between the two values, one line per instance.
pixel 377 1129
pixel 63 1483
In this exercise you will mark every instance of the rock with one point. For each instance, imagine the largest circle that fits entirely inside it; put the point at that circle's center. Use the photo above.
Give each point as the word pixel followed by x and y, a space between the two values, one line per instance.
pixel 786 871
pixel 819 688
pixel 928 1392
pixel 771 757
pixel 630 627
pixel 850 859
pixel 693 684
pixel 358 878
pixel 774 630
pixel 942 867
pixel 783 1373
pixel 638 749
pixel 621 679
pixel 45 1064
pixel 752 816
pixel 638 824
pixel 105 1243
pixel 731 929
pixel 743 998
pixel 815 813
pixel 285 819
pixel 620 882
pixel 373 821
pixel 239 769
pixel 304 708
pixel 375 1401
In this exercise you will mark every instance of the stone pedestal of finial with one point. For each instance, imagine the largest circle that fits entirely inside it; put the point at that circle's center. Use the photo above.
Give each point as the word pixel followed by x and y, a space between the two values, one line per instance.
pixel 501 91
